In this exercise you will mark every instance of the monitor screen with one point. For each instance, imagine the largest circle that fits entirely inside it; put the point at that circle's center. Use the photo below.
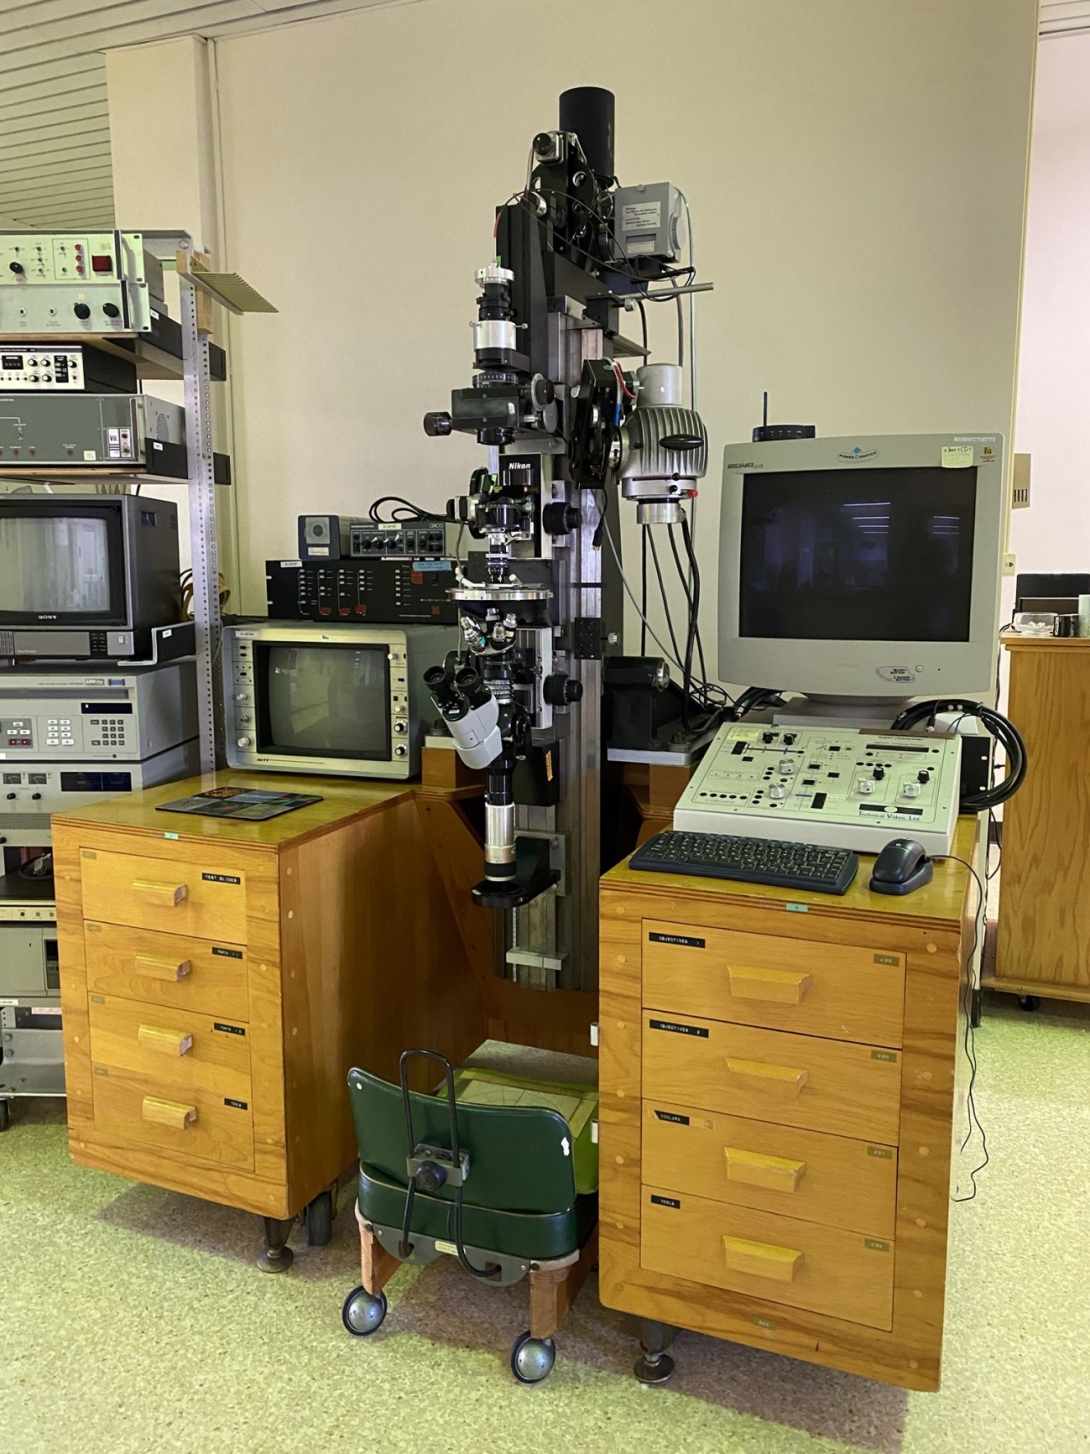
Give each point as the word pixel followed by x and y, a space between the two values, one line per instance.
pixel 323 700
pixel 54 563
pixel 847 555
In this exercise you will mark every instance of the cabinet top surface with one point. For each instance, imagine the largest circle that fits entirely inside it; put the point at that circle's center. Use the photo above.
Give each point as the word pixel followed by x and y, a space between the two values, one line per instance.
pixel 1015 641
pixel 342 799
pixel 942 900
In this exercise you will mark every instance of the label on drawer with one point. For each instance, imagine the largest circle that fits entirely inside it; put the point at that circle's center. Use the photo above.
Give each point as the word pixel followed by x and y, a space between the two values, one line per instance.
pixel 676 1029
pixel 227 953
pixel 228 1029
pixel 237 1105
pixel 665 1202
pixel 686 940
pixel 221 878
pixel 671 1116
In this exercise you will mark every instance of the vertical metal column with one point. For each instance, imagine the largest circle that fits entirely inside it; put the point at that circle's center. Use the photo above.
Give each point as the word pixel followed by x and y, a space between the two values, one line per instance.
pixel 202 526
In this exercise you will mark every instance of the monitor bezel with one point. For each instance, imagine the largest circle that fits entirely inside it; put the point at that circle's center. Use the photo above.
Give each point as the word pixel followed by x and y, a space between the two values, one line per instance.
pixel 266 746
pixel 859 668
pixel 117 546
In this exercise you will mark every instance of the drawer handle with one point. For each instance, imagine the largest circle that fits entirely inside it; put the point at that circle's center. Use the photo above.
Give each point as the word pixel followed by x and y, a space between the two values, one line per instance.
pixel 783 1081
pixel 163 896
pixel 169 1042
pixel 169 969
pixel 774 986
pixel 761 1259
pixel 169 1113
pixel 773 1173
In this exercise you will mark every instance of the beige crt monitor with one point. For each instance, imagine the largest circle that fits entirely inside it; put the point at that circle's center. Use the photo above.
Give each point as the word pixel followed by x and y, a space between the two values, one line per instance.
pixel 862 567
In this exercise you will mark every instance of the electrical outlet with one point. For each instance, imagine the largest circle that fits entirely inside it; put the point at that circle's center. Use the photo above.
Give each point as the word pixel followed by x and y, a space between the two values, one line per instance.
pixel 1008 563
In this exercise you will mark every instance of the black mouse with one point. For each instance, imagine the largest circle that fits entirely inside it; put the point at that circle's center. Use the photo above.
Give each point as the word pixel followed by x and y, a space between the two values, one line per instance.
pixel 901 867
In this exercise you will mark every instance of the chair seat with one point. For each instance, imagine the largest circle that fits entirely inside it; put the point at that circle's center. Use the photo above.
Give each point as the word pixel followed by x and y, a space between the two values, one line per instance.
pixel 516 1234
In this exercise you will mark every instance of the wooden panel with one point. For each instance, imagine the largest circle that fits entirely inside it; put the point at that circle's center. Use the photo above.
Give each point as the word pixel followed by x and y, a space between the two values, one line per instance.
pixel 138 1108
pixel 778 1259
pixel 794 1080
pixel 804 1174
pixel 835 990
pixel 178 1048
pixel 166 969
pixel 1044 910
pixel 181 895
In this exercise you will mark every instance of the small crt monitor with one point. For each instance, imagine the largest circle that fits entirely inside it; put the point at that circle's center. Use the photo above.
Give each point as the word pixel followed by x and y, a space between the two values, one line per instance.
pixel 862 567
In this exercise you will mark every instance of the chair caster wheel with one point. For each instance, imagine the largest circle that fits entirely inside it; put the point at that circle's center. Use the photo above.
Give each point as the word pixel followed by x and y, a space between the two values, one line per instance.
pixel 319 1220
pixel 532 1358
pixel 654 1368
pixel 363 1312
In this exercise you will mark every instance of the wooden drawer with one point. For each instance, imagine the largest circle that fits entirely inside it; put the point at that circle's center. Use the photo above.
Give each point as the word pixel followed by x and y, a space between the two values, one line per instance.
pixel 834 990
pixel 196 1123
pixel 166 969
pixel 769 1075
pixel 171 894
pixel 176 1048
pixel 805 1174
pixel 780 1259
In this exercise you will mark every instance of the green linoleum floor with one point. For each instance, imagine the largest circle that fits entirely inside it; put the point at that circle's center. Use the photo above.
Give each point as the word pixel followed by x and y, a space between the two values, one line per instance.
pixel 133 1321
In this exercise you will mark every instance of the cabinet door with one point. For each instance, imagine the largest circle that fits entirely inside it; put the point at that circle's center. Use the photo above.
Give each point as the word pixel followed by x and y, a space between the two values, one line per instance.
pixel 175 895
pixel 167 969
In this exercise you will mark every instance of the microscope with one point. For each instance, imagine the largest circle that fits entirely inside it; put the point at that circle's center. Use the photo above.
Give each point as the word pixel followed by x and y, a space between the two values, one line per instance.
pixel 567 408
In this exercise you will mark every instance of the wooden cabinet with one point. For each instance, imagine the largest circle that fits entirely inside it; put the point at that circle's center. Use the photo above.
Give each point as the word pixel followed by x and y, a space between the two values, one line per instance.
pixel 1043 946
pixel 219 979
pixel 777 1100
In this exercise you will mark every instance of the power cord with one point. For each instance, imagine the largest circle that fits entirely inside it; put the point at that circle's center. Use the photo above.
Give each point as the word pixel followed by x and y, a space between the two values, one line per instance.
pixel 974 1121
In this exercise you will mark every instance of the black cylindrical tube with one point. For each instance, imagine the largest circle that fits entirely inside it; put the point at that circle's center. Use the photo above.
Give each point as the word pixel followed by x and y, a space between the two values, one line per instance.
pixel 588 111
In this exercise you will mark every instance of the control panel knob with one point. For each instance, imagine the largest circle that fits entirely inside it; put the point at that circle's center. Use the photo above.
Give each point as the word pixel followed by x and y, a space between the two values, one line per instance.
pixel 11 796
pixel 911 790
pixel 400 750
pixel 401 726
pixel 245 742
pixel 82 310
pixel 924 775
pixel 777 792
pixel 36 796
pixel 787 766
pixel 32 378
pixel 768 736
pixel 879 773
pixel 789 739
pixel 866 786
pixel 437 424
pixel 111 310
pixel 560 519
pixel 240 696
pixel 16 268
pixel 561 690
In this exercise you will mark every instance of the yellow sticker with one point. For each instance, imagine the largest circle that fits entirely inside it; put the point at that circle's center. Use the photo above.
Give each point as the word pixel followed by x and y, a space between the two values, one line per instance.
pixel 957 456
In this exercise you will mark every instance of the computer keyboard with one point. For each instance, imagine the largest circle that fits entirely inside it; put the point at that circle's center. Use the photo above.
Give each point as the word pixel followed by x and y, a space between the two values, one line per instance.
pixel 750 860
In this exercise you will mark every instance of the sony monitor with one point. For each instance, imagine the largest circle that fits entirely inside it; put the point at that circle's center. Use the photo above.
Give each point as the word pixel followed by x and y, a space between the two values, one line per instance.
pixel 862 567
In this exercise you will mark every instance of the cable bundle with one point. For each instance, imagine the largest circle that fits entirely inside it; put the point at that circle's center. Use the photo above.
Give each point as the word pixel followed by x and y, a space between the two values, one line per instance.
pixel 1002 729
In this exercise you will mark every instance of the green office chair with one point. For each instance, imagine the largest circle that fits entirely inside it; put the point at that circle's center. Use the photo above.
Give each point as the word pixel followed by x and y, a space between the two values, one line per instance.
pixel 492 1173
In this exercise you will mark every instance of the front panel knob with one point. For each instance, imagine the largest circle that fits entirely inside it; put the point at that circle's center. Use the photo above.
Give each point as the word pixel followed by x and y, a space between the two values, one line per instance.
pixel 561 690
pixel 777 792
pixel 81 310
pixel 436 424
pixel 244 742
pixel 401 726
pixel 401 750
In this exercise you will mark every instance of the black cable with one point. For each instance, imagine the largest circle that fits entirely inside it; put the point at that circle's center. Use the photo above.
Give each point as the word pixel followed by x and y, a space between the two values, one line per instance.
pixel 694 615
pixel 418 512
pixel 974 1121
pixel 643 326
pixel 1001 728
pixel 665 599
pixel 689 602
pixel 644 532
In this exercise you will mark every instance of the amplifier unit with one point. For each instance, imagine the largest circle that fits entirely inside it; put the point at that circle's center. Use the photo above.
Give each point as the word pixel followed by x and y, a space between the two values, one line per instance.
pixel 72 284
pixel 428 536
pixel 385 592
pixel 68 368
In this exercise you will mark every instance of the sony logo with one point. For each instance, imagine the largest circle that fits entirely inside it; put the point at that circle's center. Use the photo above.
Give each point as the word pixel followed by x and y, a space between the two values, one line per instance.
pixel 46 617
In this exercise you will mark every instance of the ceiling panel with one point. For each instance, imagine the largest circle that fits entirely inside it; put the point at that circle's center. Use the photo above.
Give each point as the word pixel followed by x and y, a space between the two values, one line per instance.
pixel 1064 17
pixel 54 126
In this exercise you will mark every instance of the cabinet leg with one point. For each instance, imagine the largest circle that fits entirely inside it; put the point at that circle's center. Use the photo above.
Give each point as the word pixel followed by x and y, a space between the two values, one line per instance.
pixel 277 1256
pixel 654 1364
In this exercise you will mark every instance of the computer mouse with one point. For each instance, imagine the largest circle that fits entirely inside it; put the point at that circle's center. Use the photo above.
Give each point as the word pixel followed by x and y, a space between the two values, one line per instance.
pixel 901 867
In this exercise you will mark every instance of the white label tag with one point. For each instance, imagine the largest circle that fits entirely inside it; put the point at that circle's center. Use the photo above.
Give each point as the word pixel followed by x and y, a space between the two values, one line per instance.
pixel 89 454
pixel 639 216
pixel 957 456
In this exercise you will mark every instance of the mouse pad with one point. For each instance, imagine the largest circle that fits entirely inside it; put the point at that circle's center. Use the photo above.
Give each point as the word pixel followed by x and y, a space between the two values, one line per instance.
pixel 248 804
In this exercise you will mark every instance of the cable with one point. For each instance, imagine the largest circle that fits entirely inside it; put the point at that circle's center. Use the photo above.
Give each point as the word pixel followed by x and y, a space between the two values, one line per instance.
pixel 694 613
pixel 1001 728
pixel 665 600
pixel 643 591
pixel 686 585
pixel 643 327
pixel 974 1121
pixel 418 512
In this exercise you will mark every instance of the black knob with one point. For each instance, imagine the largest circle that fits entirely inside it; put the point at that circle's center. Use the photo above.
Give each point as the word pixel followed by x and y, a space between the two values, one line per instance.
pixel 111 310
pixel 561 690
pixel 560 519
pixel 789 739
pixel 81 310
pixel 681 441
pixel 16 267
pixel 430 1178
pixel 768 736
pixel 35 796
pixel 437 424
pixel 878 774
pixel 10 796
pixel 923 776
pixel 542 391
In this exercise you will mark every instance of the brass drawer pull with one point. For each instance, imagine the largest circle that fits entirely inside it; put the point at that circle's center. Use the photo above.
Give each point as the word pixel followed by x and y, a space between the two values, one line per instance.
pixel 773 986
pixel 169 1113
pixel 783 1081
pixel 168 969
pixel 761 1259
pixel 163 896
pixel 773 1173
pixel 169 1042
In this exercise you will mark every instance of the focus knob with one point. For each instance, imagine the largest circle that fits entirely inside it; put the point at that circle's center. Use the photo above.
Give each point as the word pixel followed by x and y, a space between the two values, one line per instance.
pixel 16 268
pixel 401 727
pixel 561 690
pixel 400 750
pixel 244 742
pixel 82 310
pixel 430 1178
pixel 10 797
pixel 111 310
pixel 560 519
pixel 777 792
pixel 437 424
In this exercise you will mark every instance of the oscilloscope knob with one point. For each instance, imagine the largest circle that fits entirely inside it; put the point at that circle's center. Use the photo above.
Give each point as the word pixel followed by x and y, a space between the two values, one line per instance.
pixel 401 750
pixel 245 742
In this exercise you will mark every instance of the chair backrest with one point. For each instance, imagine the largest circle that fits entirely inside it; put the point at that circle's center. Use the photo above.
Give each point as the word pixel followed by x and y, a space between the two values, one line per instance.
pixel 520 1158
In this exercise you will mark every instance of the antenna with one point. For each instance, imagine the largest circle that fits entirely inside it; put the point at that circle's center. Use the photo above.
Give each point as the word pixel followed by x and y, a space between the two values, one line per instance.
pixel 765 431
pixel 764 417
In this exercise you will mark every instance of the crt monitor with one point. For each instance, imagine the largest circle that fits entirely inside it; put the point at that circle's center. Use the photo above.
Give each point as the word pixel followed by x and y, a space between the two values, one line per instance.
pixel 862 567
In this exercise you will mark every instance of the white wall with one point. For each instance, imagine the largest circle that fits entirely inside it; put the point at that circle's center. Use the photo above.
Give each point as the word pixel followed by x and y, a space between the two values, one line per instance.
pixel 856 171
pixel 1054 370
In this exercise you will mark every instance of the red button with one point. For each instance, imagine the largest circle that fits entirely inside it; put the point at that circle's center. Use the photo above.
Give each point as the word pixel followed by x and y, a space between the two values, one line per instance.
pixel 102 262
